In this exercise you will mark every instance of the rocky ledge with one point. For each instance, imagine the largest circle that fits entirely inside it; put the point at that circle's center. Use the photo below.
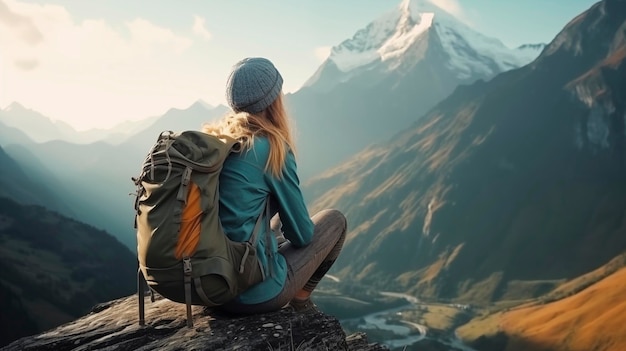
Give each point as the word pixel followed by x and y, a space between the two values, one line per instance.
pixel 114 326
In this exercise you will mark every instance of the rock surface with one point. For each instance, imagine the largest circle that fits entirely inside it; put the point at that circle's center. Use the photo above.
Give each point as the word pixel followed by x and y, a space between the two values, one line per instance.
pixel 114 326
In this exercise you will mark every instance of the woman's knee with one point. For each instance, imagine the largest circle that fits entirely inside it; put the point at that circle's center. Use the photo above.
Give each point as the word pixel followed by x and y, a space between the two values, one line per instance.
pixel 330 219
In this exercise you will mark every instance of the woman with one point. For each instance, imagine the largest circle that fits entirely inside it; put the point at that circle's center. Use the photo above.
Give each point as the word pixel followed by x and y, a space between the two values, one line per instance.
pixel 266 167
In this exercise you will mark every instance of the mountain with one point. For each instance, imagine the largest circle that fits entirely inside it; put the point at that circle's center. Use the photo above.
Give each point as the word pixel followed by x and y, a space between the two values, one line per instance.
pixel 397 67
pixel 76 176
pixel 401 36
pixel 54 269
pixel 191 118
pixel 124 130
pixel 591 320
pixel 515 182
pixel 10 135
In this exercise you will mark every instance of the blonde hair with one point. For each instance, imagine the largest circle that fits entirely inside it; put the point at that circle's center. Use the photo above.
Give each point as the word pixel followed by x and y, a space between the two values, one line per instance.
pixel 273 123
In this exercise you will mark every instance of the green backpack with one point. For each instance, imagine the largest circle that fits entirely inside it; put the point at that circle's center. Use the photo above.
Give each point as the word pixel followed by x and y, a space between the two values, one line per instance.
pixel 184 254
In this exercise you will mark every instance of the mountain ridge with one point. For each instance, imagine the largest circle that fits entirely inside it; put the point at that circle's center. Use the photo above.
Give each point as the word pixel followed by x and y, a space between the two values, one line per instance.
pixel 41 129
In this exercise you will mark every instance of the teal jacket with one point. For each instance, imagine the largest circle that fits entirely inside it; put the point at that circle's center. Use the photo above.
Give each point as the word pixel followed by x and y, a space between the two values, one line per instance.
pixel 244 187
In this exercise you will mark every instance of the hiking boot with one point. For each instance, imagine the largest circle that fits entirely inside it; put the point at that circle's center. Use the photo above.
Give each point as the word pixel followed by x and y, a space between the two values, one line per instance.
pixel 303 306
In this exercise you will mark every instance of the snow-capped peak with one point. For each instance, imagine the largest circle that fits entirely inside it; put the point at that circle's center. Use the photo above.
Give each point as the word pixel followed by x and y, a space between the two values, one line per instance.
pixel 406 32
pixel 387 37
pixel 391 35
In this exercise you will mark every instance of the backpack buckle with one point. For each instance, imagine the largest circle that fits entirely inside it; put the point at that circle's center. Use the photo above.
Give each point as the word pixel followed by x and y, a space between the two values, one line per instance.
pixel 187 266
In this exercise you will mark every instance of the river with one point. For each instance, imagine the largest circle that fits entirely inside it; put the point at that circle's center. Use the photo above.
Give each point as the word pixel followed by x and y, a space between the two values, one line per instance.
pixel 409 333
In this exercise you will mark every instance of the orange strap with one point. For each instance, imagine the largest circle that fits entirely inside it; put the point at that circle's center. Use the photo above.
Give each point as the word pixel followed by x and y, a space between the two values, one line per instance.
pixel 189 235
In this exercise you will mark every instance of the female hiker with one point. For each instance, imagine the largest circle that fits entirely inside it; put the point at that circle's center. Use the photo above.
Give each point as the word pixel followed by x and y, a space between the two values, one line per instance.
pixel 266 166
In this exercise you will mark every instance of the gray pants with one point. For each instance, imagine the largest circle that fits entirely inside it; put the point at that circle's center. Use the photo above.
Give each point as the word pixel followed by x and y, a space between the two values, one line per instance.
pixel 306 266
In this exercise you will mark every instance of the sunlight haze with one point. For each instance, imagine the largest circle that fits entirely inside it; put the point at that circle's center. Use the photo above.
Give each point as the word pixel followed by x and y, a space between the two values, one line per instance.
pixel 94 64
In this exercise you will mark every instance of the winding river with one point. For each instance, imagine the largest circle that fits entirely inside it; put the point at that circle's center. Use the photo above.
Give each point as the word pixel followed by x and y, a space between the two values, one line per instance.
pixel 409 333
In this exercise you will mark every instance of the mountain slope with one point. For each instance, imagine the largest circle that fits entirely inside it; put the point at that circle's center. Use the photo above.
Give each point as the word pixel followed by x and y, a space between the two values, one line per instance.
pixel 55 269
pixel 583 314
pixel 77 176
pixel 519 179
pixel 394 69
pixel 592 320
pixel 10 135
pixel 21 186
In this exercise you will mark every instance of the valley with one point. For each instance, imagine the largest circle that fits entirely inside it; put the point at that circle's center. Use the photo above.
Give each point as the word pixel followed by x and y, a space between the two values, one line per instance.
pixel 405 322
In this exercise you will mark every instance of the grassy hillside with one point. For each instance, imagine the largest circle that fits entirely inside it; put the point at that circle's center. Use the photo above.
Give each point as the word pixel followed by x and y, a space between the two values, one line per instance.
pixel 55 269
pixel 592 320
pixel 585 314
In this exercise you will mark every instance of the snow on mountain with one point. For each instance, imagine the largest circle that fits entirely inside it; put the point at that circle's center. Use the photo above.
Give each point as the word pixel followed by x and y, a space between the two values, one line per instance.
pixel 387 40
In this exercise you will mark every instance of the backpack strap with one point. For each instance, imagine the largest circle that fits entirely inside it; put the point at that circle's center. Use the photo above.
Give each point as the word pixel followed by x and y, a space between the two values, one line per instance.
pixel 257 226
pixel 141 294
pixel 187 274
pixel 268 239
pixel 198 285
pixel 254 238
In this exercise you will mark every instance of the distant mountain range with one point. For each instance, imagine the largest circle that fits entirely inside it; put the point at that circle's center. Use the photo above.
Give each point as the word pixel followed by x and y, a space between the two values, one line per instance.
pixel 41 129
pixel 516 180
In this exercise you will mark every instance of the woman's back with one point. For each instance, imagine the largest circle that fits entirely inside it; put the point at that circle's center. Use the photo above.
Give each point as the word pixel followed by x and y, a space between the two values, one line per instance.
pixel 245 186
pixel 265 170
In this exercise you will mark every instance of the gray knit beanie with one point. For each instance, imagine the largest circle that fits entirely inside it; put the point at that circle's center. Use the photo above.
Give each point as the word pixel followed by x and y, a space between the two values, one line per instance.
pixel 253 85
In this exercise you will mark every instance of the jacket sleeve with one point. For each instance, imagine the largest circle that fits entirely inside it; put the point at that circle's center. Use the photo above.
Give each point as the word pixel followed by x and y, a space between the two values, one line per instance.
pixel 296 224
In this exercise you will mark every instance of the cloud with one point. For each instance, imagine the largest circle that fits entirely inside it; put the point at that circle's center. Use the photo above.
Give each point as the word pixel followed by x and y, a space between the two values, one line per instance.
pixel 26 64
pixel 322 52
pixel 22 26
pixel 90 72
pixel 199 28
pixel 451 6
pixel 149 35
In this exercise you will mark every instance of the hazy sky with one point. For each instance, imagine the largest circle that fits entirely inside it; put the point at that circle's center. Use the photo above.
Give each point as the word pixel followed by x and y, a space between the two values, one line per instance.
pixel 95 63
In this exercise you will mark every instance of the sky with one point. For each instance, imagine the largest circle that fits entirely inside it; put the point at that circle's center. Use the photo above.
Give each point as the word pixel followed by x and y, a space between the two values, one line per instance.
pixel 97 63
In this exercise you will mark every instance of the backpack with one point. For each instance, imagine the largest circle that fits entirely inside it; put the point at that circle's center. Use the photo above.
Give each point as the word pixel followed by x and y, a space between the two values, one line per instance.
pixel 183 252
